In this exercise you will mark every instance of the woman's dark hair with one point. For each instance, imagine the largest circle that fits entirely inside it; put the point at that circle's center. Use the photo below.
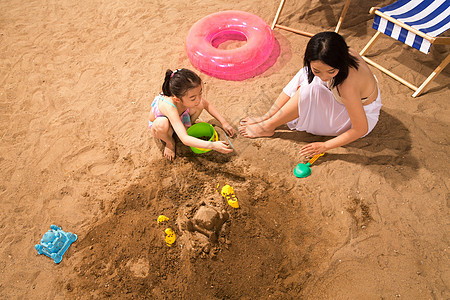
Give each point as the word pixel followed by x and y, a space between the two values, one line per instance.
pixel 331 49
pixel 178 82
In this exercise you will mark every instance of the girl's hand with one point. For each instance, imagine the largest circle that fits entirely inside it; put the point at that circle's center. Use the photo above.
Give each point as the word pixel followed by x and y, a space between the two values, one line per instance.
pixel 222 147
pixel 229 129
pixel 312 149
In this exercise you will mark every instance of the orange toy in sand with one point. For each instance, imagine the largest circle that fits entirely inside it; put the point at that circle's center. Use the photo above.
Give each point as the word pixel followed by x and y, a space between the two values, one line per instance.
pixel 228 193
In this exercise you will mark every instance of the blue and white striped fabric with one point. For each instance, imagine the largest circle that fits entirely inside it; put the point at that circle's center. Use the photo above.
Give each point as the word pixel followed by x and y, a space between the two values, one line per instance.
pixel 429 16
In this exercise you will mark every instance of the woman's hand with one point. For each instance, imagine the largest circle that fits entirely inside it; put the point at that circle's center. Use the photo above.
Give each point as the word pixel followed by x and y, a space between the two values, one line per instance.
pixel 312 149
pixel 222 147
pixel 229 129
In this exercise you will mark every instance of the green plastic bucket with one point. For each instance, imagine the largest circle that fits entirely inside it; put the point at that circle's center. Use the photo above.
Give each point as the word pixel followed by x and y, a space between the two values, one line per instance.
pixel 203 129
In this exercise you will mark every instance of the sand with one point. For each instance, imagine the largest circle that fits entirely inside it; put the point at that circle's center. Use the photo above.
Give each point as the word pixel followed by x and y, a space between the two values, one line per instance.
pixel 77 80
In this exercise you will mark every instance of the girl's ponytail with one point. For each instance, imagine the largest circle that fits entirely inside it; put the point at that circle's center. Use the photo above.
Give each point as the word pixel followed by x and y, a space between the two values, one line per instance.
pixel 178 82
pixel 166 85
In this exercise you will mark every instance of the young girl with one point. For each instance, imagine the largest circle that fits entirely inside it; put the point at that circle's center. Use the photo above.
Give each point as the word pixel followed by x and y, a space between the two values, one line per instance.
pixel 177 107
pixel 335 94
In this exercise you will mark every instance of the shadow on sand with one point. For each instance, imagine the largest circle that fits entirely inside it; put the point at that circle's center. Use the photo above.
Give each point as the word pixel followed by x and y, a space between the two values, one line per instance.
pixel 389 144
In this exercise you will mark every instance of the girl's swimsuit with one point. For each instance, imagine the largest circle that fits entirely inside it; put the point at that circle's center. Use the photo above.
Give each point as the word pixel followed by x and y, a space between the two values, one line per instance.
pixel 185 117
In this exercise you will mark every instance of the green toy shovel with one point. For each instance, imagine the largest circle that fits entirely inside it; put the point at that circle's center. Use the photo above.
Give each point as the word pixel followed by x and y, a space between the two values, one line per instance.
pixel 304 170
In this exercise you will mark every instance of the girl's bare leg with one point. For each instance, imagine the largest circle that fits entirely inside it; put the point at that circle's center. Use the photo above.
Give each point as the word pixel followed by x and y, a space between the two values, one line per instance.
pixel 162 130
pixel 287 113
pixel 278 104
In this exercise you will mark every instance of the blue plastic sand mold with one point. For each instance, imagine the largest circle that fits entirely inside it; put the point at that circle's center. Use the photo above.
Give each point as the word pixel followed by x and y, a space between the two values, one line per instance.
pixel 55 243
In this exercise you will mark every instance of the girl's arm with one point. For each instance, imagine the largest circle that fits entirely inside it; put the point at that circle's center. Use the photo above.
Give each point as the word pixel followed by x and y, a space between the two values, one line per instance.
pixel 353 104
pixel 211 109
pixel 172 114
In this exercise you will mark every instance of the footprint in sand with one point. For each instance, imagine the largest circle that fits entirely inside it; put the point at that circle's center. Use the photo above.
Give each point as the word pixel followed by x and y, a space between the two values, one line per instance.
pixel 91 158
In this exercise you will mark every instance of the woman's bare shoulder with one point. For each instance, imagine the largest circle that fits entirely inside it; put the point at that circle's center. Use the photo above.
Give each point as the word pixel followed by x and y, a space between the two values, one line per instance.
pixel 350 88
pixel 360 80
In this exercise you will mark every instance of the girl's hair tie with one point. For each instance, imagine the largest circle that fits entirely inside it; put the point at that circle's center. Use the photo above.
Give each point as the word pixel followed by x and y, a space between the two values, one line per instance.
pixel 173 73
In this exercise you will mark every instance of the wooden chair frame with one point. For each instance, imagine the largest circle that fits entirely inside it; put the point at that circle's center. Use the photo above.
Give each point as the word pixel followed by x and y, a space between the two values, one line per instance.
pixel 433 40
pixel 280 8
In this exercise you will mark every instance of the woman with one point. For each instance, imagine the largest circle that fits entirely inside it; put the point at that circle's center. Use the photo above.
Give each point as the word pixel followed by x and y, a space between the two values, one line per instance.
pixel 335 94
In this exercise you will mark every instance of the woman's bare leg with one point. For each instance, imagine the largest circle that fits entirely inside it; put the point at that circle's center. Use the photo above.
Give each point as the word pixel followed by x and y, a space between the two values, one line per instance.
pixel 162 130
pixel 286 113
pixel 277 105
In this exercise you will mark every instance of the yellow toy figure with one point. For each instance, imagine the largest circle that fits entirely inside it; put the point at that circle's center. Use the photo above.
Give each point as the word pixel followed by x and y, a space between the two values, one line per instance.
pixel 162 218
pixel 228 193
pixel 170 237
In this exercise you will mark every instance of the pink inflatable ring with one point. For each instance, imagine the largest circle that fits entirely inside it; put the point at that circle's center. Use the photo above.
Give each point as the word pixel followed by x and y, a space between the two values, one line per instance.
pixel 209 32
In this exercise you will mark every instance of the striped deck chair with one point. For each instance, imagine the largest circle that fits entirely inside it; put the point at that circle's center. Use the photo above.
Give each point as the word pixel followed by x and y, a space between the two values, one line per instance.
pixel 416 23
